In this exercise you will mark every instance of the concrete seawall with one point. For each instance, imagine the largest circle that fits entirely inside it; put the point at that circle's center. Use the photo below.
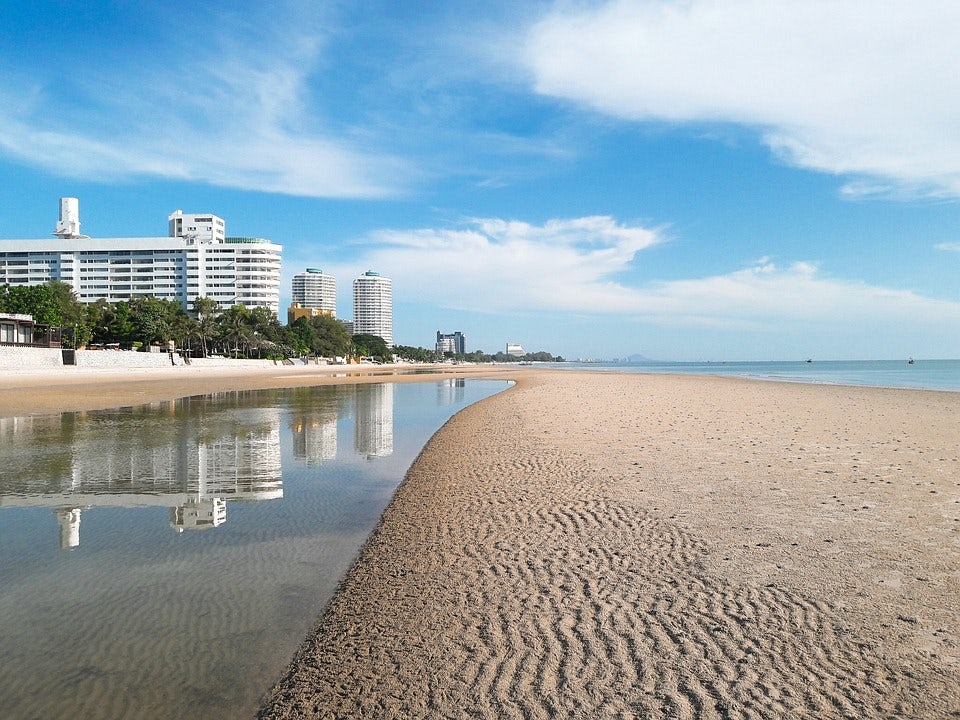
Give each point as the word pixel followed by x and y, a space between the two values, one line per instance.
pixel 15 357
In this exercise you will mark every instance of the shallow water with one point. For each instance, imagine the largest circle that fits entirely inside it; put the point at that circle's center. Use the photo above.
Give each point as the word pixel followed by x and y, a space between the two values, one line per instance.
pixel 920 374
pixel 167 560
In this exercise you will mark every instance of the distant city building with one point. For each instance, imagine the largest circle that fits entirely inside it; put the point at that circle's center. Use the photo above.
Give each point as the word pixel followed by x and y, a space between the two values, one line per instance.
pixel 455 343
pixel 515 349
pixel 315 289
pixel 195 260
pixel 373 306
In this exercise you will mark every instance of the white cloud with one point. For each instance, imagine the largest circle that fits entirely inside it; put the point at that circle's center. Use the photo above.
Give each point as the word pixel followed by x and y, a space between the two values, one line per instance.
pixel 500 266
pixel 591 267
pixel 231 111
pixel 856 88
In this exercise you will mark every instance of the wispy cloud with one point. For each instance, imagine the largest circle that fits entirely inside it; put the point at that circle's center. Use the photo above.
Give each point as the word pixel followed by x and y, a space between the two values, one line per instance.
pixel 233 110
pixel 590 266
pixel 501 266
pixel 859 89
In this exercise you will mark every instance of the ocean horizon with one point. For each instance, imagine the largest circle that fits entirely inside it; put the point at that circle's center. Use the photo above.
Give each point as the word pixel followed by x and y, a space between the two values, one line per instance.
pixel 919 375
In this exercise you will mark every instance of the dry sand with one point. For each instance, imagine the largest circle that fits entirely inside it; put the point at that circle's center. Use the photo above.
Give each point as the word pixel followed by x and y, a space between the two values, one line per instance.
pixel 600 545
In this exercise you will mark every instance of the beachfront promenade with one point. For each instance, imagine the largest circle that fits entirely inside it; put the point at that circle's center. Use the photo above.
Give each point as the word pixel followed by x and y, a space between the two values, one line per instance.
pixel 606 545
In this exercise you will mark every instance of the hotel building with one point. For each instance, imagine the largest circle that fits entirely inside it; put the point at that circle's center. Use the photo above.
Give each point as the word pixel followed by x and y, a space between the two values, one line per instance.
pixel 373 306
pixel 455 343
pixel 315 289
pixel 195 260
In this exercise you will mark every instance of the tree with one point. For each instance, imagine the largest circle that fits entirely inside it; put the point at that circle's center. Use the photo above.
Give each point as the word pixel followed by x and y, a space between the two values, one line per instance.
pixel 371 346
pixel 234 330
pixel 52 303
pixel 151 318
pixel 207 310
pixel 301 336
pixel 332 337
pixel 416 354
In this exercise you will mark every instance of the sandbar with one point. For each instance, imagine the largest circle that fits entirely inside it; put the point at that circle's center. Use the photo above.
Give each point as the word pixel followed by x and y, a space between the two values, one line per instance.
pixel 613 545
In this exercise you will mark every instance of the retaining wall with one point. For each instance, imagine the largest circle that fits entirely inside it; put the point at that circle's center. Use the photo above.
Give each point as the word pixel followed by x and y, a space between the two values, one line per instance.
pixel 14 357
pixel 124 359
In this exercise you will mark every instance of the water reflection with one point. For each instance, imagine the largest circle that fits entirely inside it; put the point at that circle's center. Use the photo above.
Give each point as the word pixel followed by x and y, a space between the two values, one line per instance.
pixel 145 620
pixel 191 455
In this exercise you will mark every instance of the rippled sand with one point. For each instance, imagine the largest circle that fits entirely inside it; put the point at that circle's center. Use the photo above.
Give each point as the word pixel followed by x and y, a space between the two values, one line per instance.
pixel 608 545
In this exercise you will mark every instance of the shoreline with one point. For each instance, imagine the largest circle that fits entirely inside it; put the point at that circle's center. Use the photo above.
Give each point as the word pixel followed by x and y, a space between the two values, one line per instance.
pixel 70 389
pixel 660 546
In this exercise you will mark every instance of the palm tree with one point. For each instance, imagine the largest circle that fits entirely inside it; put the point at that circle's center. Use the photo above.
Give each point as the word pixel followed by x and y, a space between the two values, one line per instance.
pixel 207 310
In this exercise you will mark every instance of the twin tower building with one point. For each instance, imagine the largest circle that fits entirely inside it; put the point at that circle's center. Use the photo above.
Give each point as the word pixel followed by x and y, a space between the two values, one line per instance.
pixel 315 293
pixel 195 259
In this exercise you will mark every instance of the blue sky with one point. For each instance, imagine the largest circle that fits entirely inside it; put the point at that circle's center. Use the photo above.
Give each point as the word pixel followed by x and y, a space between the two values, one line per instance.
pixel 695 180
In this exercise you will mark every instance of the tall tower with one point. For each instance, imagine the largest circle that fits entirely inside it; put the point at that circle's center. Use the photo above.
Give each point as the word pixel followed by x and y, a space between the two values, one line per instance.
pixel 373 306
pixel 315 289
pixel 68 226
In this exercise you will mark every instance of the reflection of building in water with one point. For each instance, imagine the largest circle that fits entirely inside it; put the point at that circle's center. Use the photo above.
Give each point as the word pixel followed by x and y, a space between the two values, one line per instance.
pixel 373 418
pixel 315 436
pixel 450 391
pixel 190 455
pixel 199 513
pixel 69 519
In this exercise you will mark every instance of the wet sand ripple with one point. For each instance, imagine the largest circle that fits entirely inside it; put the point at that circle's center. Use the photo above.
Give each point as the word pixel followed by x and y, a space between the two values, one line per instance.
pixel 561 551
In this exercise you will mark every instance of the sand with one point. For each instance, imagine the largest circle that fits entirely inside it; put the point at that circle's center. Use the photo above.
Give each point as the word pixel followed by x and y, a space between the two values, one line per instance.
pixel 611 545
pixel 598 545
pixel 28 391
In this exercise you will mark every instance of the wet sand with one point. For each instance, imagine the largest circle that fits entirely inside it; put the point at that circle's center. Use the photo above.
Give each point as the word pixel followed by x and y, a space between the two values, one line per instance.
pixel 601 545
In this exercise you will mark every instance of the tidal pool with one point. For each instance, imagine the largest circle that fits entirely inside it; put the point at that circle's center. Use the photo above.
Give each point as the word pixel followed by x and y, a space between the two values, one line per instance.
pixel 166 560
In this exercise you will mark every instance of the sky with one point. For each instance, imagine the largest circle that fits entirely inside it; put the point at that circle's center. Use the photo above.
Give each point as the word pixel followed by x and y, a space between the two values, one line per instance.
pixel 678 179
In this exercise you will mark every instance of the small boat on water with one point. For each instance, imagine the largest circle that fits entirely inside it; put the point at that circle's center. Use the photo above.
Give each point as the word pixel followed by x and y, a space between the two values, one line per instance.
pixel 911 361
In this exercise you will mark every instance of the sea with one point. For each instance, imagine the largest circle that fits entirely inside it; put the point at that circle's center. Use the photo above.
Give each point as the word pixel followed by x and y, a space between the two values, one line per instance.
pixel 921 374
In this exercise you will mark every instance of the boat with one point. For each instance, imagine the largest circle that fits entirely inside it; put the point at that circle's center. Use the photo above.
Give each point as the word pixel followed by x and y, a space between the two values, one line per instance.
pixel 911 361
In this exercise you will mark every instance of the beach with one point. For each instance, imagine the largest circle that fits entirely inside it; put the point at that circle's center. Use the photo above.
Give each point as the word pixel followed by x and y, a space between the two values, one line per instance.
pixel 613 545
pixel 590 545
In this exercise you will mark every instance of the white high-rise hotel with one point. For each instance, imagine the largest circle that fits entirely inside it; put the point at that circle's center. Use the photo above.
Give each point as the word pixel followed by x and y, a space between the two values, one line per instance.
pixel 197 259
pixel 373 306
pixel 315 289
